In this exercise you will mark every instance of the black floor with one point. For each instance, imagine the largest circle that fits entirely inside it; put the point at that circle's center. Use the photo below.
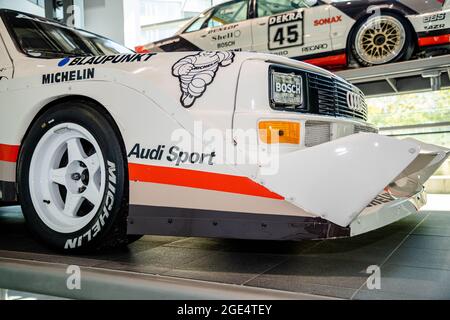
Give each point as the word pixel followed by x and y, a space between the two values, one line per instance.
pixel 413 254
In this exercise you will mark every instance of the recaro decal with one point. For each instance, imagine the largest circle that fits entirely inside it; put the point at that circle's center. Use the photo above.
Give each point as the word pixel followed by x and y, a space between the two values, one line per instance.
pixel 196 72
pixel 73 75
pixel 324 21
pixel 98 60
pixel 77 242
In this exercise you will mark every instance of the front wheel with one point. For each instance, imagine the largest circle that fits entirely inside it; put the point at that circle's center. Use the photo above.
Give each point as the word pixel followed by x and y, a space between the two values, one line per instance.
pixel 382 39
pixel 72 179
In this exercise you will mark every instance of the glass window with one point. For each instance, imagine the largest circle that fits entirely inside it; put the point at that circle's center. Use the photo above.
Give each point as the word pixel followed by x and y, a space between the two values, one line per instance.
pixel 197 24
pixel 271 7
pixel 45 39
pixel 229 13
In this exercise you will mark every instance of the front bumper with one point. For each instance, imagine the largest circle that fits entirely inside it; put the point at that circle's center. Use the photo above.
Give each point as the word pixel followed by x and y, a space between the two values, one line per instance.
pixel 340 181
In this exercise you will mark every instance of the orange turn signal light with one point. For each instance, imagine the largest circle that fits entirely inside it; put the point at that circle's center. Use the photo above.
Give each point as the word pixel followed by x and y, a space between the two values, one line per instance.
pixel 272 132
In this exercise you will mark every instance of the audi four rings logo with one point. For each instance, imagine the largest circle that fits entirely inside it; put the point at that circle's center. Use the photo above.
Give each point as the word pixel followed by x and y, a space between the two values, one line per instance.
pixel 355 101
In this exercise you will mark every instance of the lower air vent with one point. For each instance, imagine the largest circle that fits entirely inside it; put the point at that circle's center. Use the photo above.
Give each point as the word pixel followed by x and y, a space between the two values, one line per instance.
pixel 317 132
pixel 365 129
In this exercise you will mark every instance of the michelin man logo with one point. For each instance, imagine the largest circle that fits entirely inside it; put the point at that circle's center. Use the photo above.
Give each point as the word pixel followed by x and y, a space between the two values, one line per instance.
pixel 196 72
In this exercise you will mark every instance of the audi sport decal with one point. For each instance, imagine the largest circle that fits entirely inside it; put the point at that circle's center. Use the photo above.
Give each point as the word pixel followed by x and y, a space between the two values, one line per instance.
pixel 199 180
pixel 115 59
pixel 174 155
pixel 285 31
pixel 73 75
pixel 196 72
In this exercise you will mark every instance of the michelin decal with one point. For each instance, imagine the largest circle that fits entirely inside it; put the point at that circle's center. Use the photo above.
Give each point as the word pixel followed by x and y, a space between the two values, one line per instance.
pixel 196 72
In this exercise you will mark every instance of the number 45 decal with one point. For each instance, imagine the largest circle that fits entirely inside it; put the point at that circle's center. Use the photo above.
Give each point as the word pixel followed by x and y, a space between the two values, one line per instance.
pixel 286 31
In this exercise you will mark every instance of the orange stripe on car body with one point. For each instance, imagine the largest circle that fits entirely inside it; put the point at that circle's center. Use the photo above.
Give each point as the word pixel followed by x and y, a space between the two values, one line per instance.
pixel 9 153
pixel 199 180
pixel 337 60
pixel 434 40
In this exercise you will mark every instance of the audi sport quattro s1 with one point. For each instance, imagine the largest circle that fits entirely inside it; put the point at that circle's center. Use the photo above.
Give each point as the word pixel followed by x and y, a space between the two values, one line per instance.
pixel 327 33
pixel 99 144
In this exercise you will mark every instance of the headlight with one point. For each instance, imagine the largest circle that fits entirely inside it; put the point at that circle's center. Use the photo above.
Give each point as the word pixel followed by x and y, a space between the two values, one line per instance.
pixel 286 89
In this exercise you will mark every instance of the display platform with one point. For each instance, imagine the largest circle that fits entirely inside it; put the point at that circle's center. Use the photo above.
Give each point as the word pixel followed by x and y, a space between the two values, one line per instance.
pixel 413 255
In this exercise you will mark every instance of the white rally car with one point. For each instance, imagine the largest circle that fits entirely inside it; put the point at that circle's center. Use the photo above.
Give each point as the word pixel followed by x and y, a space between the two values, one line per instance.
pixel 99 143
pixel 328 33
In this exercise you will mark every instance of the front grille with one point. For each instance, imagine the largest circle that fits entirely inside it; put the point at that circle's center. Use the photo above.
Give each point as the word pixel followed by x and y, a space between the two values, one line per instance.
pixel 317 132
pixel 329 95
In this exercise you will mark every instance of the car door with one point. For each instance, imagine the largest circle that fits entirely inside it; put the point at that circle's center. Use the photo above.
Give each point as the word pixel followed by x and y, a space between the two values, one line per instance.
pixel 296 29
pixel 6 66
pixel 225 28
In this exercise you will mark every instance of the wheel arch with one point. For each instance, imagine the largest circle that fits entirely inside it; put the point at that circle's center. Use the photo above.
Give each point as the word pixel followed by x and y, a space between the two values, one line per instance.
pixel 384 8
pixel 72 98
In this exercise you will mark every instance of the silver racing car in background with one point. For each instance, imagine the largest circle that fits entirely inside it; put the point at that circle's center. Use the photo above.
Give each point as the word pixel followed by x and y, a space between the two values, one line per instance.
pixel 328 33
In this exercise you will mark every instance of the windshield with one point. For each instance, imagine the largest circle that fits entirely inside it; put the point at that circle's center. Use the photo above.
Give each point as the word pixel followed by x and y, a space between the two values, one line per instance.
pixel 45 39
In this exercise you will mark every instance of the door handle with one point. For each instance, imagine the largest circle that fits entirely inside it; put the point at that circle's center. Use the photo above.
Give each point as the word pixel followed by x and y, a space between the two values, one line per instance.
pixel 262 24
pixel 203 35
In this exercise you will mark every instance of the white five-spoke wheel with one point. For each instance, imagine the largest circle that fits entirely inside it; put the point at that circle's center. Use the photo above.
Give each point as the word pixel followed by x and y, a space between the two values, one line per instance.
pixel 72 177
pixel 382 39
pixel 67 177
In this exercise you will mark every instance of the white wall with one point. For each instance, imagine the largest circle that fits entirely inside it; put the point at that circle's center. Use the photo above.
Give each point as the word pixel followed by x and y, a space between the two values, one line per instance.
pixel 106 18
pixel 22 5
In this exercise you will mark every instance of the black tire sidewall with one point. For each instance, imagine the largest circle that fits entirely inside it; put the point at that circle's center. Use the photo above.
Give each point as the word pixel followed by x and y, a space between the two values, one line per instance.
pixel 114 199
pixel 406 51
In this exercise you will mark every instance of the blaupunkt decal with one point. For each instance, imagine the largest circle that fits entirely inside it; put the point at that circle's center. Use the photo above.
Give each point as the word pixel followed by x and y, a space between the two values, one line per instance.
pixel 196 72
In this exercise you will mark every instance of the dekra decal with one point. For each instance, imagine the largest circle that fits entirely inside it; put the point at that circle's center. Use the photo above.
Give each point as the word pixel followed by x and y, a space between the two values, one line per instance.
pixel 286 18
